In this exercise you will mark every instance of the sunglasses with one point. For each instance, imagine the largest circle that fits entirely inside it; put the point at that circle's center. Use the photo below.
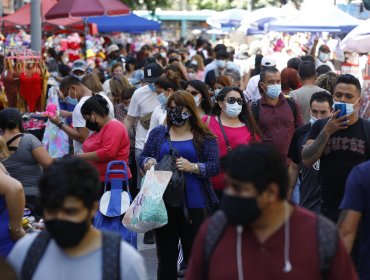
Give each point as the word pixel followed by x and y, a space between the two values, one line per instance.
pixel 194 93
pixel 232 100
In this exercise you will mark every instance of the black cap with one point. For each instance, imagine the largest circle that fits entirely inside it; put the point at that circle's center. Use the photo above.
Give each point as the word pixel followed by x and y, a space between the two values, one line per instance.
pixel 10 118
pixel 152 71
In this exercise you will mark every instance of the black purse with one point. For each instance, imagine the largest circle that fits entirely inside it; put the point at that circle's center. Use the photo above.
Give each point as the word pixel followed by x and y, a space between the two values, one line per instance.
pixel 175 191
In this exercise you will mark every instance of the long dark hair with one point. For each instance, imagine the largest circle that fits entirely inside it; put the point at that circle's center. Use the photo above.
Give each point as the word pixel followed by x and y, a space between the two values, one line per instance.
pixel 206 104
pixel 245 115
pixel 199 129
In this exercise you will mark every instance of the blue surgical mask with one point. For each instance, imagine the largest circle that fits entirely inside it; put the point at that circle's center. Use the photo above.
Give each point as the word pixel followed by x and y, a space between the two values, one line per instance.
pixel 273 91
pixel 152 87
pixel 349 107
pixel 217 91
pixel 324 57
pixel 72 101
pixel 162 99
pixel 221 63
pixel 233 110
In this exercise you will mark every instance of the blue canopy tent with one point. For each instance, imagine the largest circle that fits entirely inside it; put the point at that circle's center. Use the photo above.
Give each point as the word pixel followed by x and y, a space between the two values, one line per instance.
pixel 314 19
pixel 130 23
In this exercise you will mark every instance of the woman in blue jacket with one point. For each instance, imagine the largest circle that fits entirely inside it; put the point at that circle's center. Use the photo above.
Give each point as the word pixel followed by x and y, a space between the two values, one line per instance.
pixel 199 161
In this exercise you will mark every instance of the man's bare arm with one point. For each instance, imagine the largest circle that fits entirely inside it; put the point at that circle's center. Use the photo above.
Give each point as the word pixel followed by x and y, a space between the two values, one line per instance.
pixel 348 224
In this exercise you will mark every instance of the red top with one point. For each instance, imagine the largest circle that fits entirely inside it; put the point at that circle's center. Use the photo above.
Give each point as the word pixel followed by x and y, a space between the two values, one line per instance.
pixel 266 260
pixel 236 136
pixel 110 143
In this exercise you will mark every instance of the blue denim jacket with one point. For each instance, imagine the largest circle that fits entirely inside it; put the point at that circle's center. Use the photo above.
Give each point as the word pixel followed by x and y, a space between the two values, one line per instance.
pixel 209 164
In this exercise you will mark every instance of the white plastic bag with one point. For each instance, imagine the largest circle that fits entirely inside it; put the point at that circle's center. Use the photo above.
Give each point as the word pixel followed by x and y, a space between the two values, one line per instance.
pixel 148 211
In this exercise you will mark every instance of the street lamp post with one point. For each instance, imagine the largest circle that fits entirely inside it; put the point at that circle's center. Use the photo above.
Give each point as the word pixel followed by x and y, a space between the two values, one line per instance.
pixel 36 25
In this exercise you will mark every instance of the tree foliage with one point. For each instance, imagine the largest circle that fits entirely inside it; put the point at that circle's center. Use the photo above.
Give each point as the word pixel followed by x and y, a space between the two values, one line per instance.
pixel 150 5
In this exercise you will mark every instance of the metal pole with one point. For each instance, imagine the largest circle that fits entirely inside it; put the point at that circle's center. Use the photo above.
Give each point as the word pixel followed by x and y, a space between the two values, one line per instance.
pixel 1 8
pixel 36 25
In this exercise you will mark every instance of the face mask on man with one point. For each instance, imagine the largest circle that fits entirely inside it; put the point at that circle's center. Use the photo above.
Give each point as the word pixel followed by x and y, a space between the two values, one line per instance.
pixel 176 116
pixel 162 99
pixel 240 210
pixel 313 120
pixel 191 76
pixel 152 87
pixel 65 233
pixel 349 107
pixel 221 63
pixel 273 91
pixel 324 57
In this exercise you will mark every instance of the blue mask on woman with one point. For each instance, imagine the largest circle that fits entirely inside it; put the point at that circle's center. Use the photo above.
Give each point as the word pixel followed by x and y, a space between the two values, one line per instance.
pixel 72 101
pixel 162 99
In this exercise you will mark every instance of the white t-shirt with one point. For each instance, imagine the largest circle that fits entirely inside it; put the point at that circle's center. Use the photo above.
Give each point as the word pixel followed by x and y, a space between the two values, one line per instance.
pixel 252 91
pixel 158 117
pixel 318 63
pixel 55 264
pixel 142 102
pixel 106 87
pixel 212 66
pixel 78 121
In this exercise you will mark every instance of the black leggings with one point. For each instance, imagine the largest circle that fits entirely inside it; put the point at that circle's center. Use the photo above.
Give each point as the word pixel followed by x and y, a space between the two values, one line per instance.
pixel 167 239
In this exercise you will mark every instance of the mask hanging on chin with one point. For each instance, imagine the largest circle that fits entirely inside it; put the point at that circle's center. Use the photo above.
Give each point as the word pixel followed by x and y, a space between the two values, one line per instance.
pixel 313 120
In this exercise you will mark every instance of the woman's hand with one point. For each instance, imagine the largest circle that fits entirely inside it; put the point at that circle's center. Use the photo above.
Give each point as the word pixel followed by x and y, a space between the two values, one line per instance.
pixel 54 120
pixel 184 165
pixel 149 164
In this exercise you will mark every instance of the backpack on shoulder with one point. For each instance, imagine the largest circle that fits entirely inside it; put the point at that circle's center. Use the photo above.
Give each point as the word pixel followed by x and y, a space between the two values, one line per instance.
pixel 256 106
pixel 111 263
pixel 327 247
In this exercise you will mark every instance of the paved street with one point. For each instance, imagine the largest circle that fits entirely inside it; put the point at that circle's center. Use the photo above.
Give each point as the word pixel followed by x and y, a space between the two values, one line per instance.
pixel 150 256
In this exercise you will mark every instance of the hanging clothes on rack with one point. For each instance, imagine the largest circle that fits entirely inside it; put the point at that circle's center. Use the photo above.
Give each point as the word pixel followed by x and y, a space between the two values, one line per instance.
pixel 31 84
pixel 10 79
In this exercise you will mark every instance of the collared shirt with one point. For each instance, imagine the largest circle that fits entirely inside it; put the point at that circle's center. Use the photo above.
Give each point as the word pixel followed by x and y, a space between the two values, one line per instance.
pixel 278 124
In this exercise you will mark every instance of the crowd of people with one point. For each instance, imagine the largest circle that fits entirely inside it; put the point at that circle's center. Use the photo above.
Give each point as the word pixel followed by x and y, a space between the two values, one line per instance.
pixel 275 163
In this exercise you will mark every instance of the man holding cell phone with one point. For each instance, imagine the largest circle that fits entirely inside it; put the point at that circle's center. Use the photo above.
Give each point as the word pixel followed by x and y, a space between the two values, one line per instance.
pixel 340 142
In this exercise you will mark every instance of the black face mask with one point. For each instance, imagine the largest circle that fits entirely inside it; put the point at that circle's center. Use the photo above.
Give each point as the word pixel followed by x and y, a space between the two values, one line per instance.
pixel 176 116
pixel 93 126
pixel 67 234
pixel 240 210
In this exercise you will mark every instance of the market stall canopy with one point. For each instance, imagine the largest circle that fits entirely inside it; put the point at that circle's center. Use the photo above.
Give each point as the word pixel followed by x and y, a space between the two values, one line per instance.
pixel 22 19
pixel 130 23
pixel 312 18
pixel 358 40
pixel 87 8
pixel 227 18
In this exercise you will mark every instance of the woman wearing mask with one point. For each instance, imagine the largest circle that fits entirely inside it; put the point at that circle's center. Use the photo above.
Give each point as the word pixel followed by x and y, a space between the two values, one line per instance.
pixel 28 156
pixel 199 160
pixel 220 82
pixel 12 202
pixel 117 73
pixel 233 125
pixel 109 140
pixel 198 61
pixel 165 86
pixel 201 96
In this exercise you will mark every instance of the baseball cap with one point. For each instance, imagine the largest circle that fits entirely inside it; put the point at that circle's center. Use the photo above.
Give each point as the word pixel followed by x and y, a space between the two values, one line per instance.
pixel 79 65
pixel 152 71
pixel 324 48
pixel 112 48
pixel 268 61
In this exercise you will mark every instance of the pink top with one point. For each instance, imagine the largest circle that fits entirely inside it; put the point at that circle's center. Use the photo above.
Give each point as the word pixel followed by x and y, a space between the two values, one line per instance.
pixel 236 136
pixel 110 143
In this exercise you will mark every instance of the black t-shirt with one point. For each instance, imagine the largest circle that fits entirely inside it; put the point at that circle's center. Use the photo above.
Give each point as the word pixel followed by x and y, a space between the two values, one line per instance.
pixel 310 193
pixel 345 149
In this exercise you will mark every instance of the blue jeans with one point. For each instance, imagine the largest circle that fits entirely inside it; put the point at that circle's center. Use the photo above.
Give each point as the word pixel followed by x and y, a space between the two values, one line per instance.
pixel 137 157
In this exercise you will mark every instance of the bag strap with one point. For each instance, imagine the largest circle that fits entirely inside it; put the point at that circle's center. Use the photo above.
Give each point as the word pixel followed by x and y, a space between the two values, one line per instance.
pixel 10 141
pixel 366 127
pixel 228 147
pixel 292 106
pixel 256 109
pixel 208 120
pixel 111 256
pixel 327 246
pixel 215 230
pixel 34 254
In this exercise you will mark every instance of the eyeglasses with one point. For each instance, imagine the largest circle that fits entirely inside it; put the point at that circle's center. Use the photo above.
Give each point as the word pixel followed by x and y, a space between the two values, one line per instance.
pixel 194 93
pixel 232 100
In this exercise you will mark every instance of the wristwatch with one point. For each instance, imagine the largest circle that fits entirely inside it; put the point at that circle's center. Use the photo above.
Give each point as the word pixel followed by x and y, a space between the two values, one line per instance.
pixel 60 124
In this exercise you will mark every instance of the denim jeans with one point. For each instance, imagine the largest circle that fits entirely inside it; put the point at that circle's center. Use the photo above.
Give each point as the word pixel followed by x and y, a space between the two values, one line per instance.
pixel 138 168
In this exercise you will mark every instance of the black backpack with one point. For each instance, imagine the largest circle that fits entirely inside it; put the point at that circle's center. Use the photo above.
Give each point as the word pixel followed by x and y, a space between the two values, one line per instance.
pixel 111 255
pixel 256 106
pixel 327 246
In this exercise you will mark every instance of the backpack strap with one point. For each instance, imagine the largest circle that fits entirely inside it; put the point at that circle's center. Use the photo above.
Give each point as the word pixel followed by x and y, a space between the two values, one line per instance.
pixel 215 230
pixel 111 256
pixel 256 105
pixel 292 106
pixel 34 254
pixel 228 146
pixel 328 240
pixel 366 127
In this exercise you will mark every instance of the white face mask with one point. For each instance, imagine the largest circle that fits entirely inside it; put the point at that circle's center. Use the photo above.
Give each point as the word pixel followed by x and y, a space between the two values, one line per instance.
pixel 191 76
pixel 233 110
pixel 349 107
pixel 197 100
pixel 324 57
pixel 221 63
pixel 217 91
pixel 313 119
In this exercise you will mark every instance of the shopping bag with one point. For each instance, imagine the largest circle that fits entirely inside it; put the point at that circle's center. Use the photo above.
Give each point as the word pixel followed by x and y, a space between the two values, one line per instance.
pixel 148 211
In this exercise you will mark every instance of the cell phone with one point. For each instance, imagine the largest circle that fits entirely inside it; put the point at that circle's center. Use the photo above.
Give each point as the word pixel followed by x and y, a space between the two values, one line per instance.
pixel 342 108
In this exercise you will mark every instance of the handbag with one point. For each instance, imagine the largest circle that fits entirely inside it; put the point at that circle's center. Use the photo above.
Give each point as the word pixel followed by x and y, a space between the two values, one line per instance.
pixel 145 120
pixel 174 194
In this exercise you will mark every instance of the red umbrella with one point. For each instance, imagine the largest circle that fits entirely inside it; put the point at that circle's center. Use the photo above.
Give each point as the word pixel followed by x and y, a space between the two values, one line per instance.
pixel 84 8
